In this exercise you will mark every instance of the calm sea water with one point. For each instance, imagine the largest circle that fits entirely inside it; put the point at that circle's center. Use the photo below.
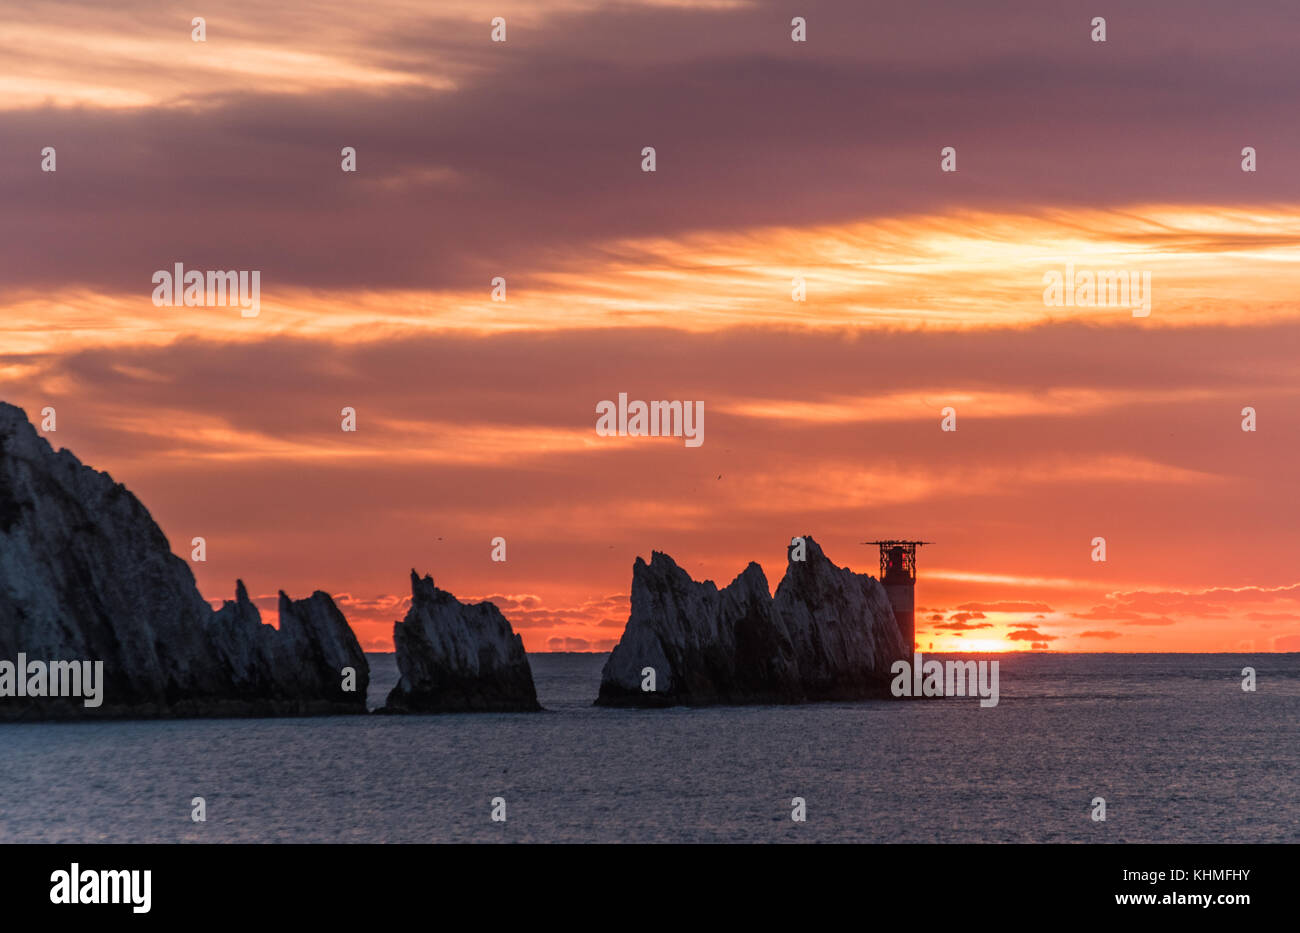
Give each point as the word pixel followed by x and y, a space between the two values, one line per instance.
pixel 1172 742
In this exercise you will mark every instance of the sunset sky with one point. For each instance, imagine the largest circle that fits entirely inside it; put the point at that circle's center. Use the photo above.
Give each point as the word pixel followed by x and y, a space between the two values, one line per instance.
pixel 775 159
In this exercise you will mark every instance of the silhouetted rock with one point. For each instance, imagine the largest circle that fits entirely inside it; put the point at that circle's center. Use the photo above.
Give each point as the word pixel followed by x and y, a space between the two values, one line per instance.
pixel 457 657
pixel 86 574
pixel 828 634
pixel 297 668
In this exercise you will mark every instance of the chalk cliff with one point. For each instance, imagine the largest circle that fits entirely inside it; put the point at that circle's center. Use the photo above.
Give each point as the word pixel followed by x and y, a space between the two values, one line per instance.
pixel 457 657
pixel 86 574
pixel 827 634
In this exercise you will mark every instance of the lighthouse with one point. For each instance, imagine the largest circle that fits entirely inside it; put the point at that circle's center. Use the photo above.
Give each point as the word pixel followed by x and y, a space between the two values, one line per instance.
pixel 898 576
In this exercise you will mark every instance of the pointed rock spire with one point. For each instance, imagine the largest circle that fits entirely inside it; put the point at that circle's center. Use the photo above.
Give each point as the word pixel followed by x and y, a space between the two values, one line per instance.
pixel 455 657
pixel 827 634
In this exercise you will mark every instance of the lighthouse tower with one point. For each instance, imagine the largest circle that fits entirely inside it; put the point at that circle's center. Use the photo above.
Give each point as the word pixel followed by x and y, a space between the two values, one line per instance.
pixel 898 576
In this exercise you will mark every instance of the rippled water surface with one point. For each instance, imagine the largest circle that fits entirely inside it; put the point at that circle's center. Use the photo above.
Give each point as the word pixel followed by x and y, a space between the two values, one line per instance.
pixel 1177 749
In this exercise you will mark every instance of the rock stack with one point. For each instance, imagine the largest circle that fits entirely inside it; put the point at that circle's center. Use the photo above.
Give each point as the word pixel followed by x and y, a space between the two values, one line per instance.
pixel 827 634
pixel 87 575
pixel 458 657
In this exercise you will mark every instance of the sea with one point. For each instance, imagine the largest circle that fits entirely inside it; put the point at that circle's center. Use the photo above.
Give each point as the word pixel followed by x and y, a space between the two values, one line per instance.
pixel 1175 747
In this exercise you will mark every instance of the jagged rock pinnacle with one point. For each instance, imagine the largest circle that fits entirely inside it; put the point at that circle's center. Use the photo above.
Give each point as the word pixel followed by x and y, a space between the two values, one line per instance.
pixel 828 633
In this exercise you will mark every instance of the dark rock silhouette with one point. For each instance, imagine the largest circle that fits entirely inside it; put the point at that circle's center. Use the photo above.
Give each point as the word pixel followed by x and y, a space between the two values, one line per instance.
pixel 86 574
pixel 827 634
pixel 457 657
